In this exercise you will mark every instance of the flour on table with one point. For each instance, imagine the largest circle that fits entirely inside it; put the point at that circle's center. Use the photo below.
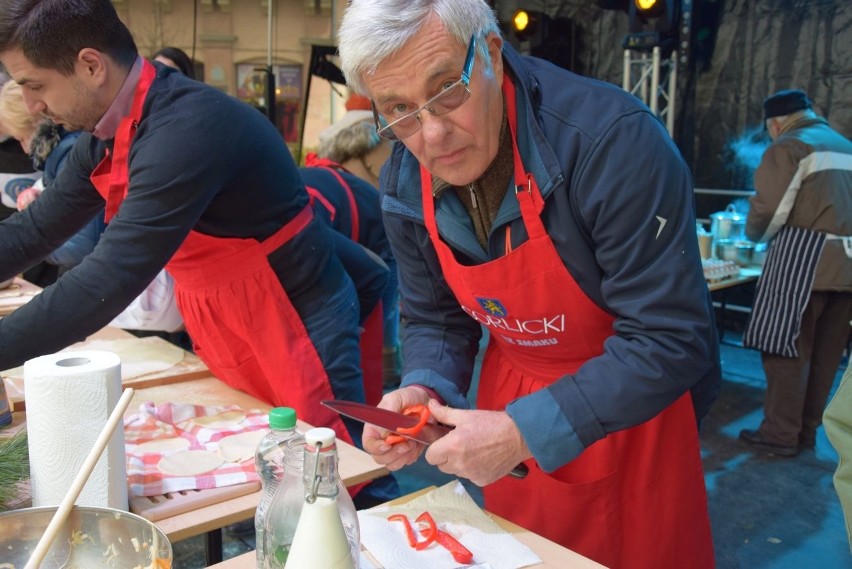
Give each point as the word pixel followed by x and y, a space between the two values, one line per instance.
pixel 139 356
pixel 227 420
pixel 190 462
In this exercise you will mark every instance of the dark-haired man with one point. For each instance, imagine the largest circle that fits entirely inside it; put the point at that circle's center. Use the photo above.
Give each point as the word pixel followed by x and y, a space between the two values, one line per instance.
pixel 192 180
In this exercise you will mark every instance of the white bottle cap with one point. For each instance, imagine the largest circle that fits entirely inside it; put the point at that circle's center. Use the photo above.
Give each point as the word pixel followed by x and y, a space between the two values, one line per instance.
pixel 321 436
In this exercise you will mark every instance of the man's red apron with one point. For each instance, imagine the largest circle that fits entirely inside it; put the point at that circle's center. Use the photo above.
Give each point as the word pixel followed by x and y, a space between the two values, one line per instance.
pixel 635 499
pixel 240 320
pixel 372 339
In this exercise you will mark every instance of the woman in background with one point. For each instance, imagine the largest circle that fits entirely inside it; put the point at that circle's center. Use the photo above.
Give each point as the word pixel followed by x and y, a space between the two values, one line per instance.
pixel 176 58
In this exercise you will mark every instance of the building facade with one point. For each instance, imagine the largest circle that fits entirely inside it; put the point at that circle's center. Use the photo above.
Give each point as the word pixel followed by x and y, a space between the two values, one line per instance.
pixel 236 42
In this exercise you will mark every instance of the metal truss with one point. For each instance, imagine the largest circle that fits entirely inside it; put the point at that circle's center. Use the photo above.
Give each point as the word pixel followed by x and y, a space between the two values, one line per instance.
pixel 654 80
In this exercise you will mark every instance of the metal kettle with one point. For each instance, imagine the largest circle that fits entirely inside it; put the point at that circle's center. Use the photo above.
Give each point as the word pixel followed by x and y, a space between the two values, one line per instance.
pixel 727 224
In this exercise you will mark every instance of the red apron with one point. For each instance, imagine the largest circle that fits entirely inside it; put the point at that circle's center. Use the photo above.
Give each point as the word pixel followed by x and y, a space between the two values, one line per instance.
pixel 635 499
pixel 240 319
pixel 372 339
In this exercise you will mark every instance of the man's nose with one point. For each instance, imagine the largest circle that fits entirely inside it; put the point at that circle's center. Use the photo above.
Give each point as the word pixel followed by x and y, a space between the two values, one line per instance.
pixel 35 106
pixel 434 127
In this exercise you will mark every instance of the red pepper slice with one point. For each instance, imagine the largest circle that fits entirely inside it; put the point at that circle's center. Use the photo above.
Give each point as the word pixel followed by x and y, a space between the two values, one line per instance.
pixel 460 553
pixel 424 414
pixel 422 411
pixel 430 532
pixel 409 531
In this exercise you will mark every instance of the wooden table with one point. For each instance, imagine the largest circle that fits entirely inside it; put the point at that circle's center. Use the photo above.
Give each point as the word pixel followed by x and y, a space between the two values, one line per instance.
pixel 356 466
pixel 191 382
pixel 745 275
pixel 553 555
pixel 16 295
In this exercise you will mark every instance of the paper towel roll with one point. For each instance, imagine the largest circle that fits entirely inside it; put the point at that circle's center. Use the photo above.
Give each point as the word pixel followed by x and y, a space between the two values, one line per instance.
pixel 69 397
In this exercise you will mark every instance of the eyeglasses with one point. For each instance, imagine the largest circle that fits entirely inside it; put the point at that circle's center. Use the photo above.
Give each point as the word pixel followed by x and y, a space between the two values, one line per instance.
pixel 444 102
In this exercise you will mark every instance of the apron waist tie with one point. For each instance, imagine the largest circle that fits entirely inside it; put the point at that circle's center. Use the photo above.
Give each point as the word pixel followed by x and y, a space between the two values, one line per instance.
pixel 194 276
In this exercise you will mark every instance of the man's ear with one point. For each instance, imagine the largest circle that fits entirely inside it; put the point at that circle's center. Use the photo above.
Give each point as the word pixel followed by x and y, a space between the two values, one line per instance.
pixel 495 50
pixel 91 65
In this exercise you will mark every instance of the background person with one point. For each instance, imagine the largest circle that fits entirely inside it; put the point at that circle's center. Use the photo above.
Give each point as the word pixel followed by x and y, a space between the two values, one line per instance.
pixel 176 58
pixel 196 181
pixel 800 319
pixel 838 428
pixel 48 146
pixel 16 169
pixel 556 211
pixel 352 150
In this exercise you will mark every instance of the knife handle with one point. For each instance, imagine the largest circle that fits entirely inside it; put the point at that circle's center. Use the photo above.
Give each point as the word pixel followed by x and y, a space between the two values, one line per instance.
pixel 520 471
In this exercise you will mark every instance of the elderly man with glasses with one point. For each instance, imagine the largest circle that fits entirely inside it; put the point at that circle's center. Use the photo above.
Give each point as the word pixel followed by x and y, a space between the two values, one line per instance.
pixel 555 212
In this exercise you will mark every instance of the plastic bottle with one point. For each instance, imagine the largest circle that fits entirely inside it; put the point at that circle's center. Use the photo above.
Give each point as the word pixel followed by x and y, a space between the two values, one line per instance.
pixel 282 517
pixel 327 534
pixel 269 462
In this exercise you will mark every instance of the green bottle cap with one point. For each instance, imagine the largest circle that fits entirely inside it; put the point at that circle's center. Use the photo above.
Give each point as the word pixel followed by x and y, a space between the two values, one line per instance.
pixel 282 418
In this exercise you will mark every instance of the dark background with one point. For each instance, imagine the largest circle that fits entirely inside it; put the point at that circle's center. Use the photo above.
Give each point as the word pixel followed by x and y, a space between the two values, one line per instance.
pixel 740 52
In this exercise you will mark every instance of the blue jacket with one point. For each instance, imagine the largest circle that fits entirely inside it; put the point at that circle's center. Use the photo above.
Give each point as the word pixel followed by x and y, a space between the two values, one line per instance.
pixel 619 209
pixel 70 253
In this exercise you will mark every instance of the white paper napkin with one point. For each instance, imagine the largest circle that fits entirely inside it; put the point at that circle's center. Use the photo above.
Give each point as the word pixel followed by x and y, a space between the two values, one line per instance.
pixel 455 512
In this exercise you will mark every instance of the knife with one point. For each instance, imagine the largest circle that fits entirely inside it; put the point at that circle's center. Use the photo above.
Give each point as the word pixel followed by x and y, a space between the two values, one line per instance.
pixel 393 421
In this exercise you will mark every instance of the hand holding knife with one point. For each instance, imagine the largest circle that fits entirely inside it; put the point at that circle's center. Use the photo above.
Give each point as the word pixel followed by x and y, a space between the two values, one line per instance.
pixel 393 422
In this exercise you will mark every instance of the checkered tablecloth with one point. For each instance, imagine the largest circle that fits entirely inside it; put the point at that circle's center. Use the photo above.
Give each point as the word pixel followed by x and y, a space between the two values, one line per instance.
pixel 175 420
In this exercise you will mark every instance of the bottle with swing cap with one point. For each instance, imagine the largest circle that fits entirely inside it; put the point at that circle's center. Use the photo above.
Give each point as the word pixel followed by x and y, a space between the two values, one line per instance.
pixel 327 534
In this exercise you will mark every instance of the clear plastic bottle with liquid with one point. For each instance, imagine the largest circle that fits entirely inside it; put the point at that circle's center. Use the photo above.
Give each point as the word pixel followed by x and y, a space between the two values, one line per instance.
pixel 269 462
pixel 284 510
pixel 327 533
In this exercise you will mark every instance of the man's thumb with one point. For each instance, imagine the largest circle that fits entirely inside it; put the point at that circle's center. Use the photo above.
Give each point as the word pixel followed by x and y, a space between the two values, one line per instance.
pixel 442 414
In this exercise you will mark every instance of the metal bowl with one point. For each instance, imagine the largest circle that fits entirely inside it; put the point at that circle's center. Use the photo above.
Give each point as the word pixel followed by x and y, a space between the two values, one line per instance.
pixel 745 251
pixel 90 537
pixel 726 249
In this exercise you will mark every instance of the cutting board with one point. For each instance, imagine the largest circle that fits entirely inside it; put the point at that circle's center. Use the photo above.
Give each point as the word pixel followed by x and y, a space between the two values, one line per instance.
pixel 190 367
pixel 156 508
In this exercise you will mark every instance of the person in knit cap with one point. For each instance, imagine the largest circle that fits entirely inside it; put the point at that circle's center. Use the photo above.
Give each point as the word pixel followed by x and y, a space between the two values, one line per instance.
pixel 345 171
pixel 802 207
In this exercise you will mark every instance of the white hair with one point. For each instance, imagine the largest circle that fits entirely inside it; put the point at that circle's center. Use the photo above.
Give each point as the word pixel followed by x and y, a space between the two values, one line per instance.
pixel 372 30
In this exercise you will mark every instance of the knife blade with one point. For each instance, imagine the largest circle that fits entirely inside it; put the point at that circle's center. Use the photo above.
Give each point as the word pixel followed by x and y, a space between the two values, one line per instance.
pixel 393 421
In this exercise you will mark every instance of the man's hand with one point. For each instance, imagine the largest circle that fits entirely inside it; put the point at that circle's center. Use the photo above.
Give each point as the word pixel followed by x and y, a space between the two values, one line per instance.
pixel 26 197
pixel 401 454
pixel 484 446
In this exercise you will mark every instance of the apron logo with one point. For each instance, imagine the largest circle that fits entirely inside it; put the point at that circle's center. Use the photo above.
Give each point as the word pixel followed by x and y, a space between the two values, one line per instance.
pixel 492 306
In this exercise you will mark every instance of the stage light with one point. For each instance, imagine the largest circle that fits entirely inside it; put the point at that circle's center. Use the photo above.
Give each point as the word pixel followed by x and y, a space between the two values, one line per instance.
pixel 524 24
pixel 646 6
pixel 652 23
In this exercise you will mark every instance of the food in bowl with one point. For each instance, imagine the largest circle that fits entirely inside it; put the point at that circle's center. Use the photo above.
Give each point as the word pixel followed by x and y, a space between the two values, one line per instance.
pixel 90 537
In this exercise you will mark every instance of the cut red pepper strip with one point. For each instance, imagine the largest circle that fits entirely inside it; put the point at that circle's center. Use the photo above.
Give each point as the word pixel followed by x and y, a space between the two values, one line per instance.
pixel 422 411
pixel 460 553
pixel 409 531
pixel 430 532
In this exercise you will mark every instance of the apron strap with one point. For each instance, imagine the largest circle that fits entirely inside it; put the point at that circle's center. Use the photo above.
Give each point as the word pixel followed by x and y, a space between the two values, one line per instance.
pixel 526 188
pixel 118 178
